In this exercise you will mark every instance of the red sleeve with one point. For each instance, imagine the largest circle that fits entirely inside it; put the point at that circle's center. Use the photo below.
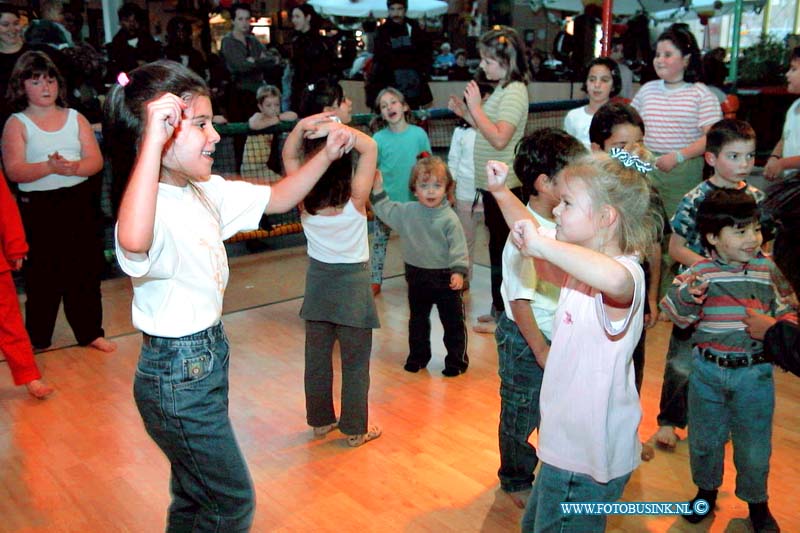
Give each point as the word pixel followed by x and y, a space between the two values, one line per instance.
pixel 12 235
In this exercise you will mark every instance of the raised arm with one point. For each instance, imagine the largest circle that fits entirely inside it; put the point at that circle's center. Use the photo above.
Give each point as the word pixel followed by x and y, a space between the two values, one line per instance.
pixel 292 153
pixel 588 266
pixel 294 187
pixel 512 208
pixel 364 174
pixel 137 210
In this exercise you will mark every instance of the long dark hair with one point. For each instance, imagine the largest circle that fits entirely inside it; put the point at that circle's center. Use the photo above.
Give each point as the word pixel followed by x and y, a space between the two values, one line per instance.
pixel 333 188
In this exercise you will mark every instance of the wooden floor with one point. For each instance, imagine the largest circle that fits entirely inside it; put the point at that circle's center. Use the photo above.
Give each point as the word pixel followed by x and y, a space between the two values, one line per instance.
pixel 81 461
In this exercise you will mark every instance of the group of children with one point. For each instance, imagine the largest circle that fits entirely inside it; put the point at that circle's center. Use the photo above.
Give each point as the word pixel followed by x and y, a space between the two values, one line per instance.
pixel 573 287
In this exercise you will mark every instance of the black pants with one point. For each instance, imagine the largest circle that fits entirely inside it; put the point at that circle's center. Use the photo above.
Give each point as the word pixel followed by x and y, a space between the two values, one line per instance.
pixel 498 233
pixel 65 261
pixel 427 287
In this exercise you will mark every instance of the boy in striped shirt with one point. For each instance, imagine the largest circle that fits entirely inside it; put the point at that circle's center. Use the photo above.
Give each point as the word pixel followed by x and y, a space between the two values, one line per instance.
pixel 730 150
pixel 731 390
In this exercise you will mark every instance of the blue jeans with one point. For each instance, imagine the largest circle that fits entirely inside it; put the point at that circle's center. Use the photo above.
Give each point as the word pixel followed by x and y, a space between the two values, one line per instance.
pixel 553 486
pixel 181 390
pixel 735 402
pixel 672 408
pixel 520 384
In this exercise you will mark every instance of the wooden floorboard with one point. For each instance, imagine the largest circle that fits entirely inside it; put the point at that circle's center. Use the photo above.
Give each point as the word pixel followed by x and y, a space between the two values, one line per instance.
pixel 82 462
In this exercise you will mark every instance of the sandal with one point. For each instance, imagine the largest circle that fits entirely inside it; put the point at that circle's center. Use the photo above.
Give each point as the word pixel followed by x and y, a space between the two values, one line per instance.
pixel 373 432
pixel 321 431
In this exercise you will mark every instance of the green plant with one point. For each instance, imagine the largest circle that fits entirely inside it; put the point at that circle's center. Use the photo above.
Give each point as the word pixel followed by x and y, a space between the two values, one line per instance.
pixel 764 63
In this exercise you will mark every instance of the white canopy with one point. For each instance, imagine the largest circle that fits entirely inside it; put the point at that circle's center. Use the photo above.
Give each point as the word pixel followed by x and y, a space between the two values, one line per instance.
pixel 620 7
pixel 377 8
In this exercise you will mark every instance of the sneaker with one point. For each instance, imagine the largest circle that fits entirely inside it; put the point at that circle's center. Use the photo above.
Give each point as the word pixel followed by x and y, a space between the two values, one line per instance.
pixel 761 519
pixel 376 289
pixel 413 367
pixel 321 431
pixel 452 372
pixel 373 432
pixel 710 496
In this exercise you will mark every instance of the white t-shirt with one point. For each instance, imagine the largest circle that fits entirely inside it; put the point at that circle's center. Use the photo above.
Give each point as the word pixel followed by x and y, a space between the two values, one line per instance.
pixel 590 409
pixel 179 283
pixel 340 238
pixel 577 123
pixel 461 162
pixel 535 280
pixel 791 131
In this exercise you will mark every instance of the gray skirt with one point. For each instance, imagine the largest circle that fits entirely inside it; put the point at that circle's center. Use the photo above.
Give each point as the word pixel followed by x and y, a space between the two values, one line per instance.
pixel 339 293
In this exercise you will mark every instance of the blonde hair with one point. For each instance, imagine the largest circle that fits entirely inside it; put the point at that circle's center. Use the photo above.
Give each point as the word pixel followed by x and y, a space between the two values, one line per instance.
pixel 627 190
pixel 378 122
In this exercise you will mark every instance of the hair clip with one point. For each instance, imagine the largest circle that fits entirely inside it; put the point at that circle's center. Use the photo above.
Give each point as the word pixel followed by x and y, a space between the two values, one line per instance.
pixel 123 79
pixel 423 155
pixel 310 87
pixel 629 160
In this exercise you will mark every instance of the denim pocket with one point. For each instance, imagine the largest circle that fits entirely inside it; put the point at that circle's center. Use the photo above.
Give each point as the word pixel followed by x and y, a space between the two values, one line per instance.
pixel 195 367
pixel 148 396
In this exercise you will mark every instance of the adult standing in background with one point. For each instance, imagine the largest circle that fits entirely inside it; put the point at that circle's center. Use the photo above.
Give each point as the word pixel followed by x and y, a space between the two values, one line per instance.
pixel 311 57
pixel 133 45
pixel 11 47
pixel 246 60
pixel 179 46
pixel 403 58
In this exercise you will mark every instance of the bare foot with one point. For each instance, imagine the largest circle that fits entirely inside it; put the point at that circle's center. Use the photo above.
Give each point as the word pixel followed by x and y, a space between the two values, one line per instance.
pixel 648 452
pixel 103 344
pixel 39 389
pixel 520 498
pixel 666 437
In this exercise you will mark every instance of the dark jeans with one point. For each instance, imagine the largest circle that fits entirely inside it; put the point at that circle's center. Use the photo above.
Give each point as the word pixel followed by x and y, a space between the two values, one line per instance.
pixel 65 261
pixel 498 233
pixel 181 390
pixel 426 288
pixel 355 346
pixel 520 384
pixel 672 409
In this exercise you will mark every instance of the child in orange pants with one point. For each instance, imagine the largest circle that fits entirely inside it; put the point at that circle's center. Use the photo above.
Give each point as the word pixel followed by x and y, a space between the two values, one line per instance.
pixel 14 342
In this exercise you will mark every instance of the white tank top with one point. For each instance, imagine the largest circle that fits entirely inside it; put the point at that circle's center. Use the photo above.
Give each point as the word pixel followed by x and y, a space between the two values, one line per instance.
pixel 338 238
pixel 40 144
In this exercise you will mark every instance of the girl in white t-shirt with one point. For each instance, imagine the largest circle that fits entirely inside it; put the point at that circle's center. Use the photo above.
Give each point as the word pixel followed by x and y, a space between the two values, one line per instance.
pixel 602 83
pixel 590 412
pixel 173 219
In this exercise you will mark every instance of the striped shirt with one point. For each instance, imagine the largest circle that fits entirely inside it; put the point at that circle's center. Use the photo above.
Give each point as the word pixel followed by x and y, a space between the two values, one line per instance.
pixel 675 118
pixel 509 104
pixel 731 290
